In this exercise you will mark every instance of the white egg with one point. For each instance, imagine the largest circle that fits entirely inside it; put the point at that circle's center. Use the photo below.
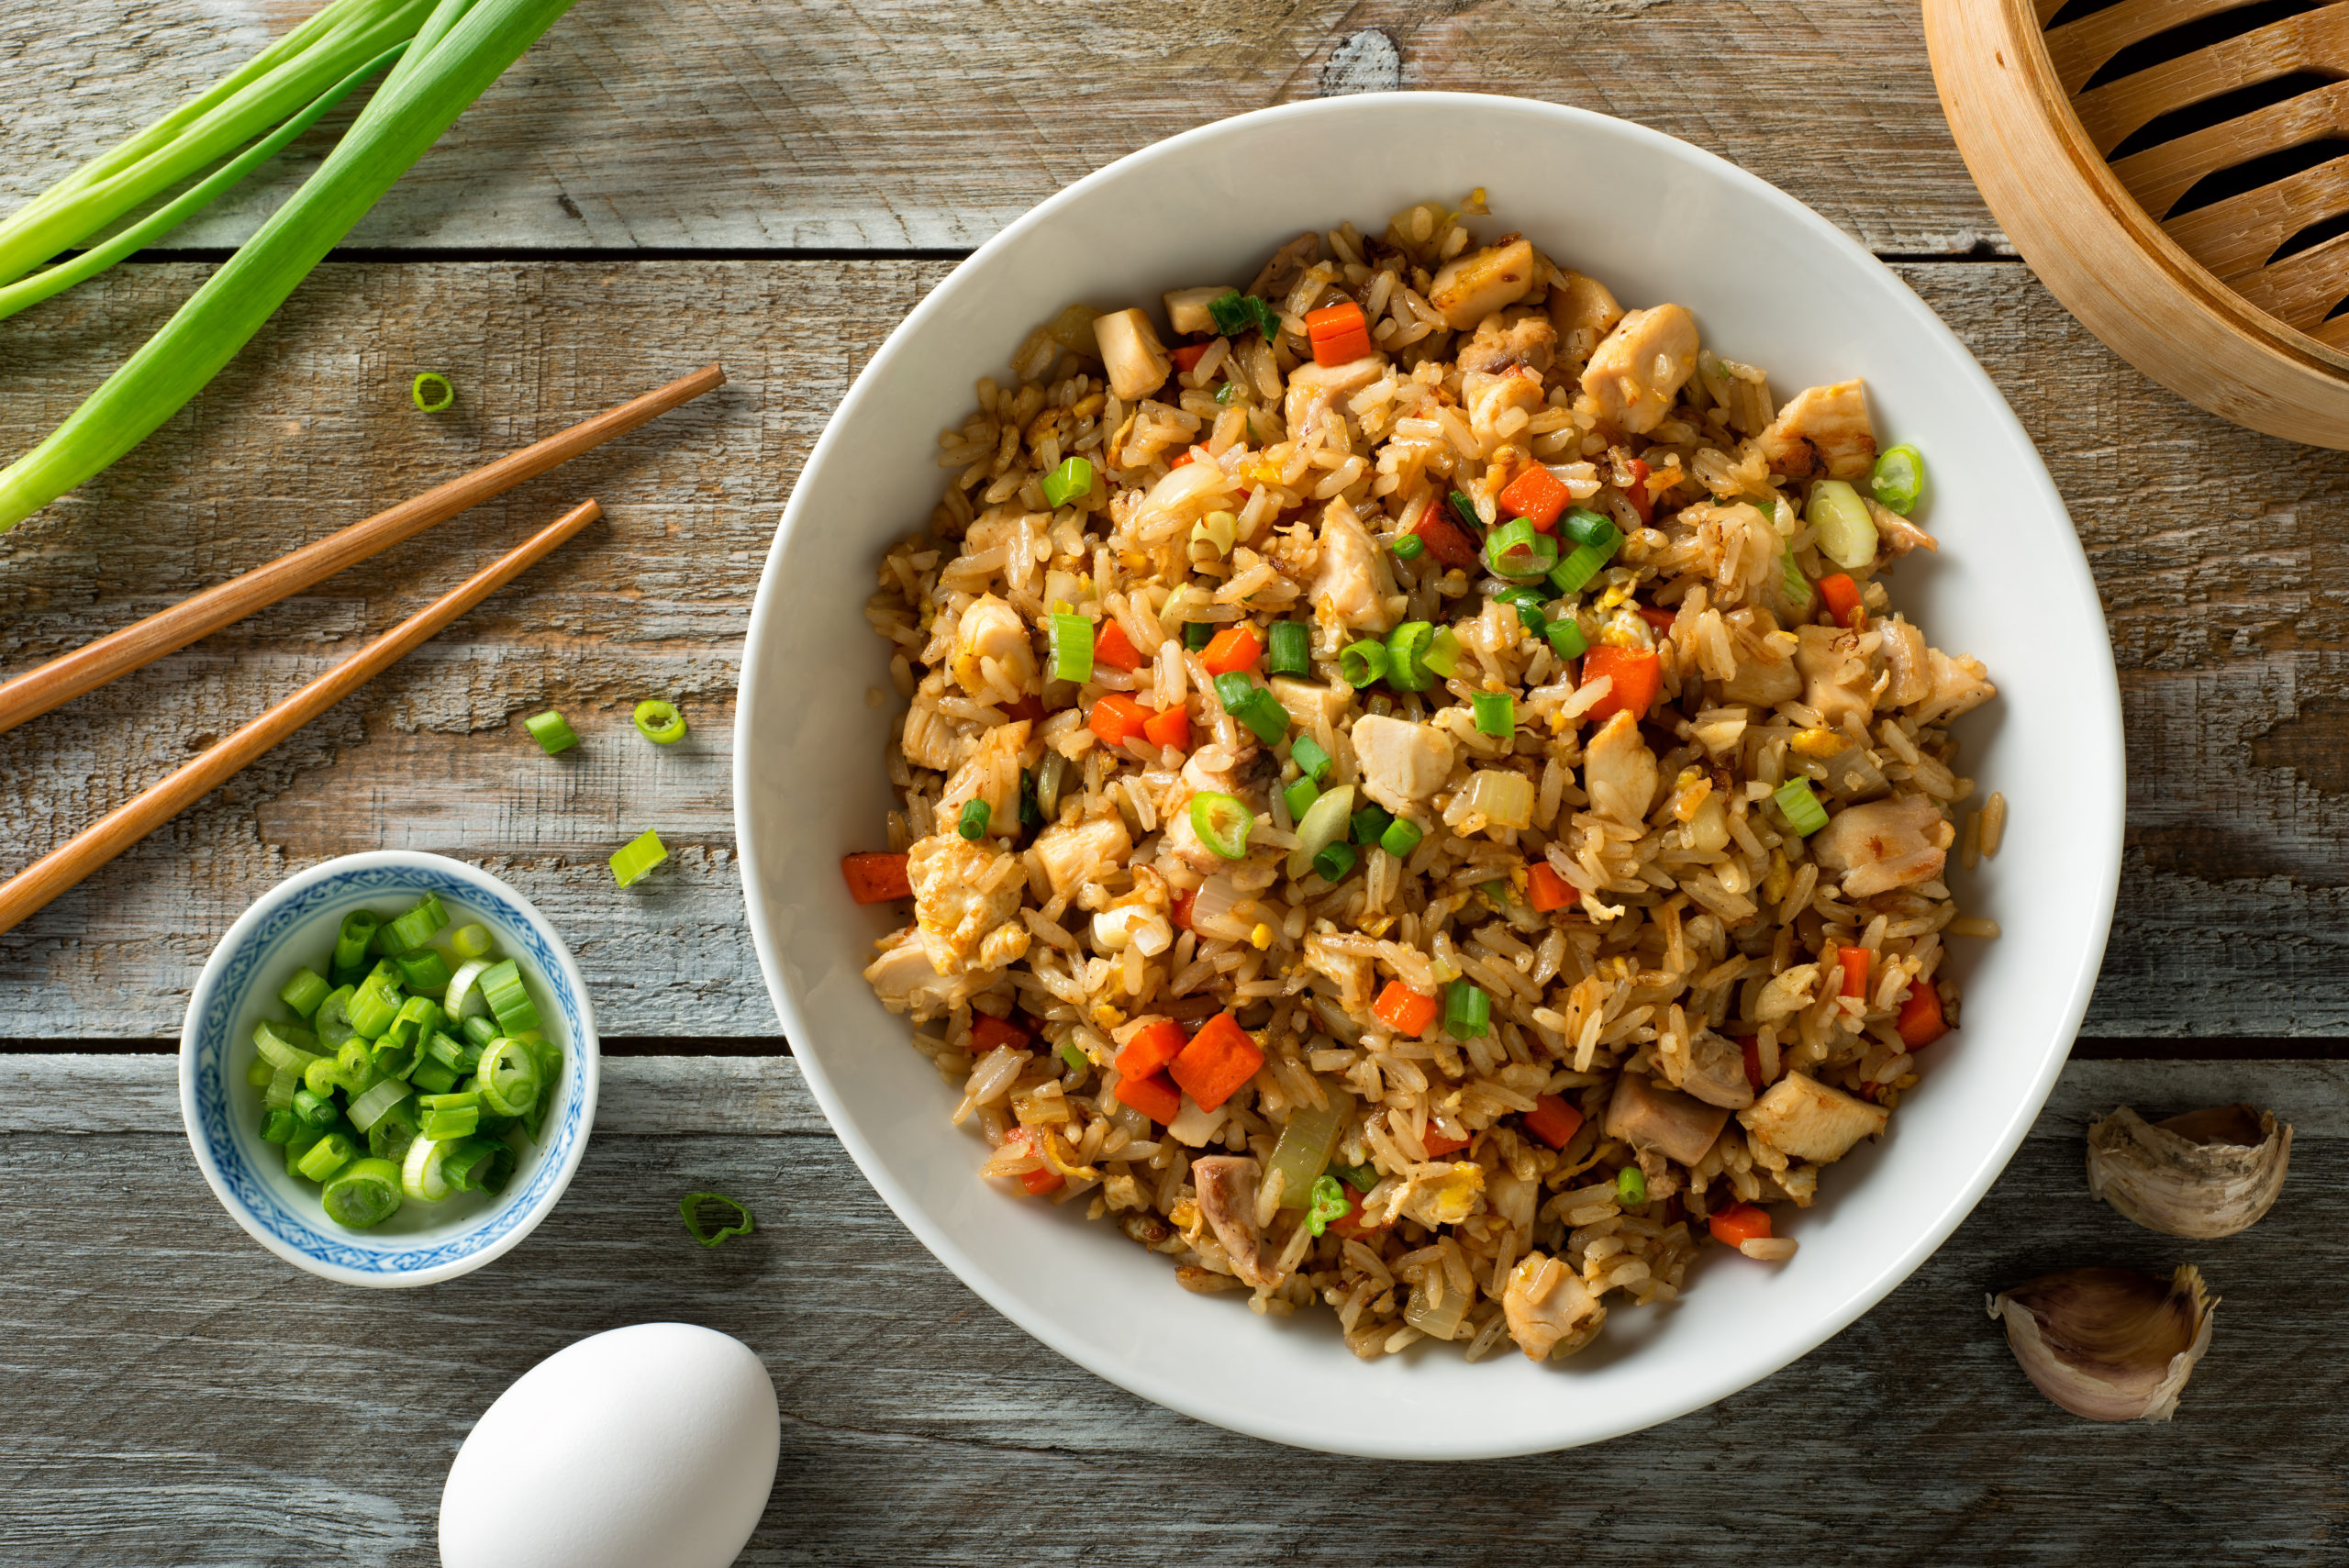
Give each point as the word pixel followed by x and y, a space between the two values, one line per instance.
pixel 652 1445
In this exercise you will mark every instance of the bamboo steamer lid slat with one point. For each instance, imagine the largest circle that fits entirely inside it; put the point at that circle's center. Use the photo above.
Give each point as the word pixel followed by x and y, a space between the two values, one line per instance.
pixel 2199 300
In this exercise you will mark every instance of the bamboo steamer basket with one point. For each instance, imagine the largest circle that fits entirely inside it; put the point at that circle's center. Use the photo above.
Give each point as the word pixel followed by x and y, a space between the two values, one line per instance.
pixel 2162 166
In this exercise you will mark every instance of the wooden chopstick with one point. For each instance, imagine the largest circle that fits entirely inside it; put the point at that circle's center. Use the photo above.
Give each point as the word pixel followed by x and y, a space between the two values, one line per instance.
pixel 117 653
pixel 33 886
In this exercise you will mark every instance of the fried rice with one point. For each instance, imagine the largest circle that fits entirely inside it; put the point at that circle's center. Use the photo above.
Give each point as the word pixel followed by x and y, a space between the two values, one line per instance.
pixel 1579 983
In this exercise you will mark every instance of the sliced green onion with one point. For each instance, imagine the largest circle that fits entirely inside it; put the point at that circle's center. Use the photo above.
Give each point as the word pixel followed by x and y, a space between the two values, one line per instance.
pixel 1361 1178
pixel 451 1050
pixel 1585 527
pixel 332 1020
pixel 1236 312
pixel 463 1000
pixel 283 1084
pixel 1362 664
pixel 432 391
pixel 1408 547
pixel 414 928
pixel 708 1229
pixel 323 1075
pixel 1897 481
pixel 1299 797
pixel 279 1125
pixel 1631 1185
pixel 448 1117
pixel 1310 760
pixel 421 1175
pixel 370 1106
pixel 638 856
pixel 1443 656
pixel 1225 394
pixel 660 722
pixel 1466 510
pixel 1565 638
pixel 388 1057
pixel 1530 604
pixel 1796 587
pixel 508 998
pixel 1071 479
pixel 1406 645
pixel 973 823
pixel 1467 1010
pixel 1073 1054
pixel 469 942
pixel 376 1002
pixel 1801 807
pixel 1495 713
pixel 305 991
pixel 479 1029
pixel 1582 563
pixel 1252 706
pixel 357 1068
pixel 1324 824
pixel 550 732
pixel 457 54
pixel 1402 835
pixel 1071 648
pixel 1330 1202
pixel 1847 533
pixel 433 1077
pixel 327 1156
pixel 423 971
pixel 478 1164
pixel 1289 649
pixel 363 1194
pixel 1196 635
pixel 1369 823
pixel 389 1139
pixel 315 1109
pixel 350 945
pixel 1516 548
pixel 285 1045
pixel 1222 823
pixel 258 1075
pixel 417 1016
pixel 1335 863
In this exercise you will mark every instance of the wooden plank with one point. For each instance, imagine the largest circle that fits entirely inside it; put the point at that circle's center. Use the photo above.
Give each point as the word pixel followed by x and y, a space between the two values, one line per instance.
pixel 158 1364
pixel 664 1096
pixel 2210 545
pixel 886 123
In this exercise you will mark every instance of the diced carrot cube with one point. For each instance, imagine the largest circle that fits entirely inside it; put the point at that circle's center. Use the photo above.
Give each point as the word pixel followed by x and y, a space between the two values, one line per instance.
pixel 1351 1224
pixel 1752 1050
pixel 1233 649
pixel 1112 647
pixel 1740 1222
pixel 991 1033
pixel 1659 617
pixel 1151 1049
pixel 1219 1061
pixel 1538 496
pixel 1404 1010
pixel 877 878
pixel 1842 596
pixel 1553 1120
pixel 1853 963
pixel 1030 1140
pixel 1116 717
pixel 1338 332
pixel 1921 1021
pixel 1439 1144
pixel 1155 1097
pixel 1638 676
pixel 1187 356
pixel 1182 909
pixel 1546 890
pixel 1444 539
pixel 1171 728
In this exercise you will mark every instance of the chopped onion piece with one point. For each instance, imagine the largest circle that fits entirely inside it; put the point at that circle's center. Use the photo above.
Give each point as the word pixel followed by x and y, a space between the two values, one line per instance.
pixel 1504 799
pixel 1324 823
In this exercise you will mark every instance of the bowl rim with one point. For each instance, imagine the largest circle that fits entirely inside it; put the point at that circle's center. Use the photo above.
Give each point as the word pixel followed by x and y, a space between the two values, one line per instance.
pixel 1202 1401
pixel 519 1219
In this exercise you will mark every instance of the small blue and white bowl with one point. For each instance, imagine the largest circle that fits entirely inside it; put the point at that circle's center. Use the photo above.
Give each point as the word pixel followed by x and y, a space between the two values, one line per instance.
pixel 295 924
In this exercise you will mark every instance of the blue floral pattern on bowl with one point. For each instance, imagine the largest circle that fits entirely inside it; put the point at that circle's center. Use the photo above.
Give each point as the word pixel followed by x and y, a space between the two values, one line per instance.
pixel 222 995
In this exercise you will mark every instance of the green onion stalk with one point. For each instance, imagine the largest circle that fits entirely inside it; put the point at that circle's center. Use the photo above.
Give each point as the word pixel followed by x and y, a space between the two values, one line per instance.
pixel 461 47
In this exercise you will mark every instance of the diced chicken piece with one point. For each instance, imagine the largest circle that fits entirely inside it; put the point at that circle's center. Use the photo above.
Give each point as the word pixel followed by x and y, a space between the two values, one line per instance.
pixel 1716 1071
pixel 1473 287
pixel 990 629
pixel 1584 312
pixel 1489 397
pixel 1354 973
pixel 1515 1200
pixel 1131 353
pixel 1765 675
pixel 1352 577
pixel 1309 702
pixel 1646 1115
pixel 1885 844
pixel 1904 655
pixel 1788 993
pixel 1804 1119
pixel 1619 771
pixel 991 773
pixel 1227 1187
pixel 1317 390
pixel 1402 763
pixel 906 982
pixel 1959 685
pixel 931 738
pixel 1836 680
pixel 1741 548
pixel 959 898
pixel 1639 369
pixel 1187 309
pixel 1071 853
pixel 1501 345
pixel 1825 429
pixel 1550 1310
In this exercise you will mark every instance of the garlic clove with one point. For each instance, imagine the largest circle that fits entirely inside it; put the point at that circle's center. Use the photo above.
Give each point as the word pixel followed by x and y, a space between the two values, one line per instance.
pixel 2204 1174
pixel 2110 1344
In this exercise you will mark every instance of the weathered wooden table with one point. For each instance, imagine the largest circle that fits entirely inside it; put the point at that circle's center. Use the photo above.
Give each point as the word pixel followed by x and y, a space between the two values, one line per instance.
pixel 655 187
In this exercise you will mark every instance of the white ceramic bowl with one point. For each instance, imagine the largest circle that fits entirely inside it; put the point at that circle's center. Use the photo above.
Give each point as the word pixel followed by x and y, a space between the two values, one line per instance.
pixel 295 924
pixel 1771 283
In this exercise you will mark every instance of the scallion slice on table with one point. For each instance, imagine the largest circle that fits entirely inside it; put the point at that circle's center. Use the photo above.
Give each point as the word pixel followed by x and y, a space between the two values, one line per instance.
pixel 660 722
pixel 458 51
pixel 1222 823
pixel 1071 648
pixel 551 732
pixel 699 1224
pixel 1800 806
pixel 431 392
pixel 638 856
